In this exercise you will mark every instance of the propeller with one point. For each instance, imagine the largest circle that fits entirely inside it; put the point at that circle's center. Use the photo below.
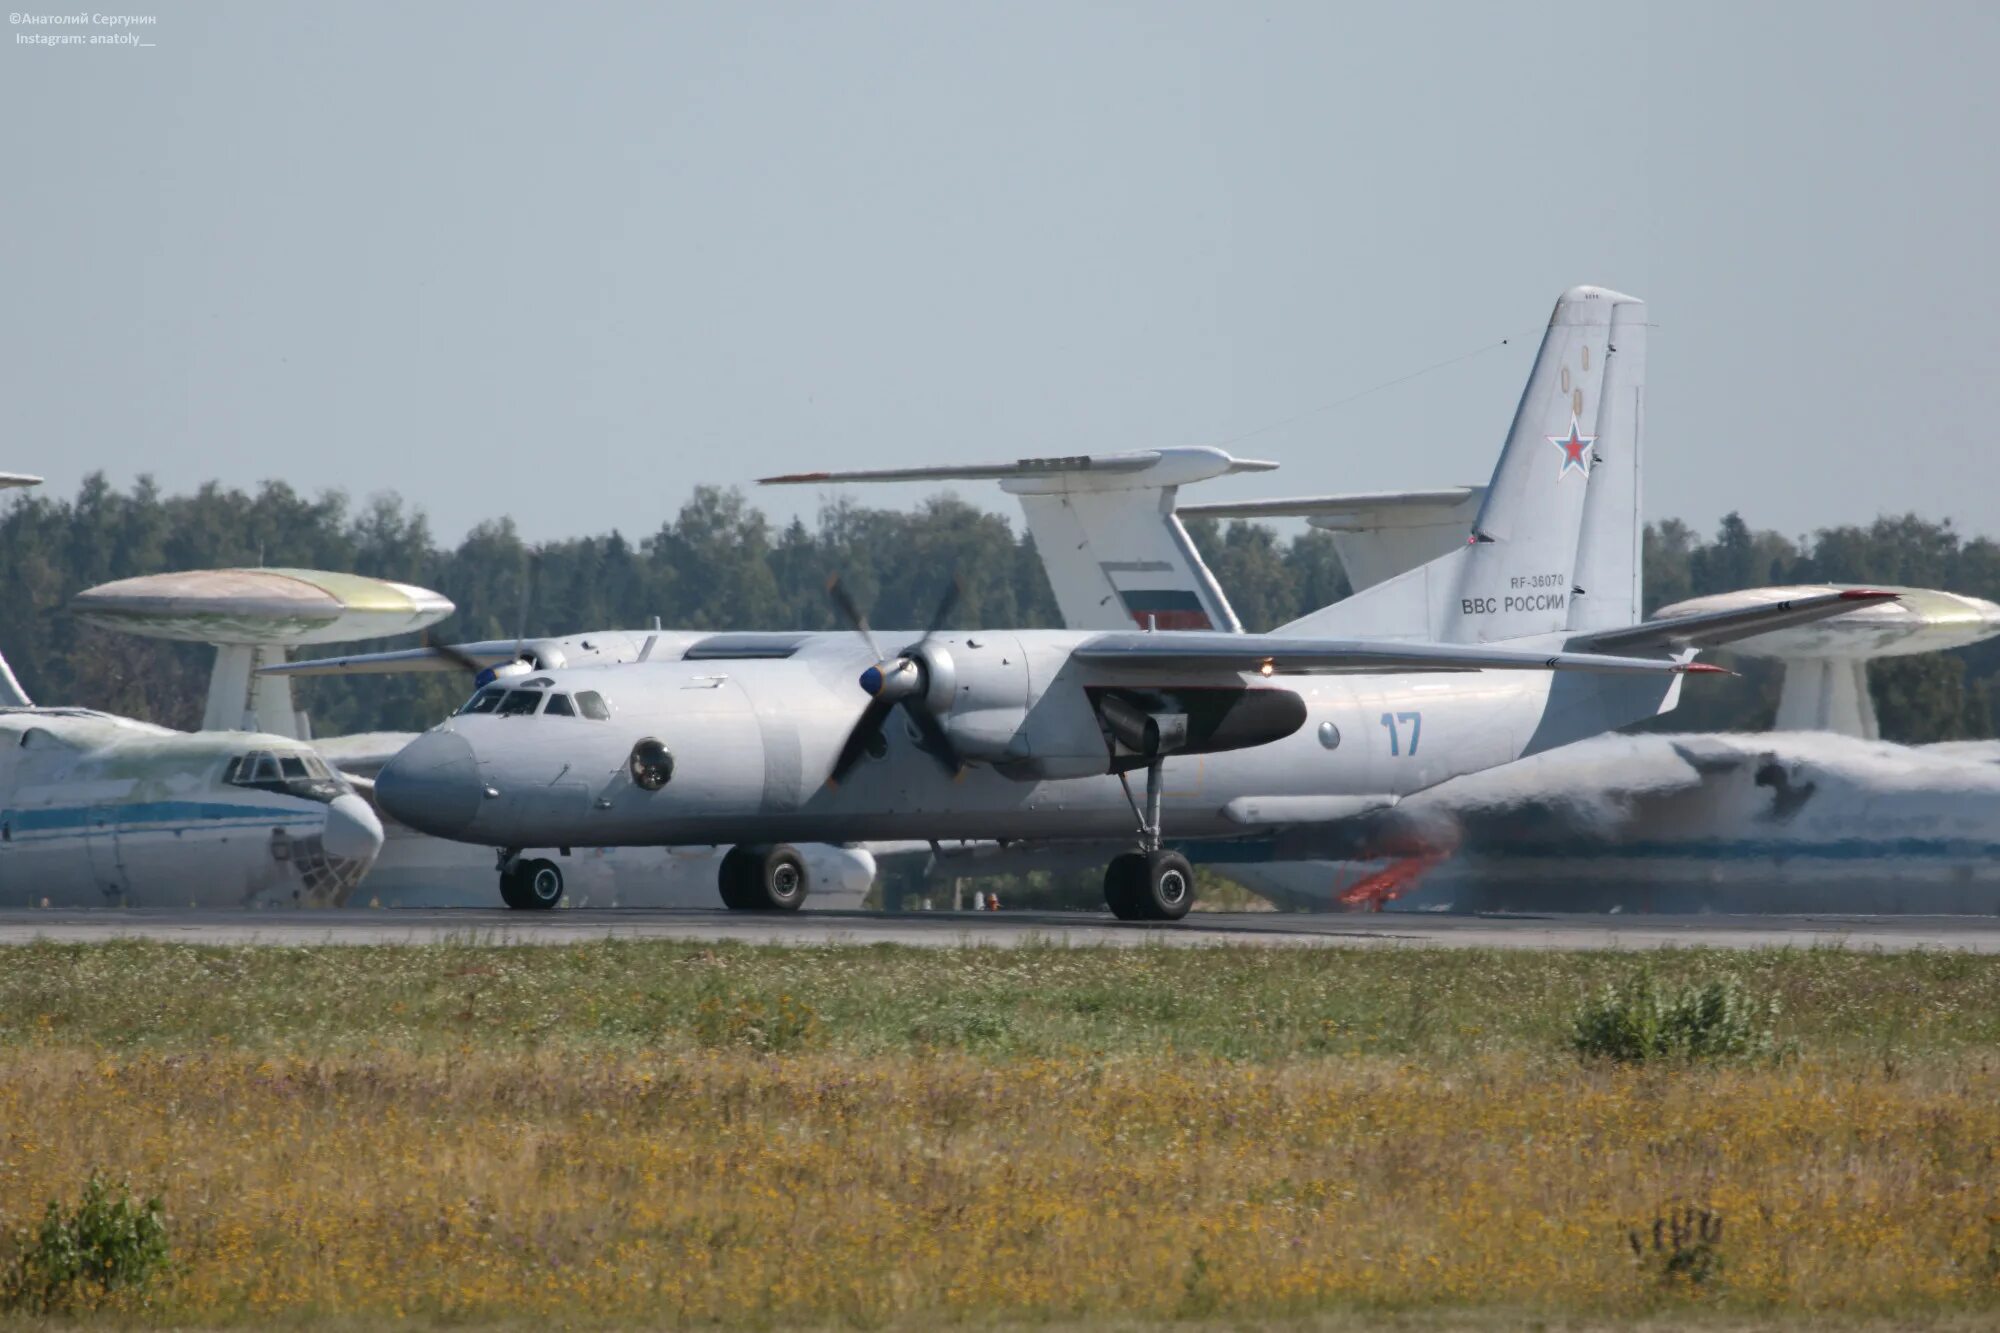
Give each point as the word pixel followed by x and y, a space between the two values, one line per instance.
pixel 455 655
pixel 481 672
pixel 903 679
pixel 531 574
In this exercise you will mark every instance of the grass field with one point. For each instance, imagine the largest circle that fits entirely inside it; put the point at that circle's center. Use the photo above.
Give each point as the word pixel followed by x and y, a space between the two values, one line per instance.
pixel 642 1132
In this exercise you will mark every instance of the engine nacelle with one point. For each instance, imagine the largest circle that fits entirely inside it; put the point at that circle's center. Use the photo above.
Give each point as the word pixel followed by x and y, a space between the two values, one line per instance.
pixel 977 687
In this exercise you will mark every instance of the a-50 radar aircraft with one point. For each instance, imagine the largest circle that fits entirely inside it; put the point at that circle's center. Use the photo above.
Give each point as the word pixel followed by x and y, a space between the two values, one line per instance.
pixel 761 740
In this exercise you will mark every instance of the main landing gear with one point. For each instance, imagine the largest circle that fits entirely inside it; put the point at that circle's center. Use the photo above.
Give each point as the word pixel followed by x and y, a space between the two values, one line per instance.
pixel 763 879
pixel 530 885
pixel 1150 884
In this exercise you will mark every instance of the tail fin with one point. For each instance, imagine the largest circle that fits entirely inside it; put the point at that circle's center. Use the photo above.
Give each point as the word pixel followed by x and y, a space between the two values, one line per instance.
pixel 1517 572
pixel 11 693
pixel 1607 576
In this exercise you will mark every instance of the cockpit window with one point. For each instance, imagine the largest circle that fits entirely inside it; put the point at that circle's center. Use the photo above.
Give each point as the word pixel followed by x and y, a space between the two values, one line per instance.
pixel 485 701
pixel 520 703
pixel 300 773
pixel 559 706
pixel 591 704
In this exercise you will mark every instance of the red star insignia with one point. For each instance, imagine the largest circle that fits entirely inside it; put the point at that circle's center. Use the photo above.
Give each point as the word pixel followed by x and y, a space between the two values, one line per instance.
pixel 1575 450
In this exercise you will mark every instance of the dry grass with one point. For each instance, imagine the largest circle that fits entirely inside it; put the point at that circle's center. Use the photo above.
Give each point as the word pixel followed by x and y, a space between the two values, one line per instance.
pixel 712 1172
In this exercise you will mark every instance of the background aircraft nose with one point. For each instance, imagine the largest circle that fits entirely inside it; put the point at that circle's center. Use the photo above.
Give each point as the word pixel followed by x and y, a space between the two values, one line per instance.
pixel 432 784
pixel 352 831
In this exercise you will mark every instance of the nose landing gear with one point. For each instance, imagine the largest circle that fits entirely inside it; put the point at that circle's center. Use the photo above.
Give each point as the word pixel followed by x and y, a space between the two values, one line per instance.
pixel 531 885
pixel 763 879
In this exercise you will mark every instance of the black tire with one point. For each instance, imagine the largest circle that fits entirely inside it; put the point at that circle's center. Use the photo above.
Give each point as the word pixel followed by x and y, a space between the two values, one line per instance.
pixel 510 891
pixel 538 885
pixel 1167 887
pixel 781 883
pixel 730 875
pixel 1123 886
pixel 763 879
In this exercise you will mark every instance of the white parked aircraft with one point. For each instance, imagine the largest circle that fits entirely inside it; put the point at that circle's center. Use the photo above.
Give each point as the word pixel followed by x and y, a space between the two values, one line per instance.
pixel 1491 652
pixel 103 810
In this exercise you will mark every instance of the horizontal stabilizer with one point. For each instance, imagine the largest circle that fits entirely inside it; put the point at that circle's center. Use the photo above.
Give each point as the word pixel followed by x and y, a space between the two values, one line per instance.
pixel 1367 508
pixel 1713 629
pixel 1282 654
pixel 1176 466
pixel 1377 534
pixel 12 479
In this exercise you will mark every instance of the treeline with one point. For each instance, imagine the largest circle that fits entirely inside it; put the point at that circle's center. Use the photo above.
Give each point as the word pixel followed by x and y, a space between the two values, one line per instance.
pixel 720 562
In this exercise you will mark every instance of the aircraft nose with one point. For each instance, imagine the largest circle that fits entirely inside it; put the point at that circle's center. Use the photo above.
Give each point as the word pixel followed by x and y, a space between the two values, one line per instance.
pixel 432 785
pixel 352 832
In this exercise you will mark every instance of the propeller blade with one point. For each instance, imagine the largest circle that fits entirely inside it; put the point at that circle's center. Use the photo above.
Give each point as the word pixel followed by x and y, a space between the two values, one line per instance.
pixel 472 666
pixel 852 614
pixel 530 576
pixel 946 605
pixel 856 745
pixel 936 742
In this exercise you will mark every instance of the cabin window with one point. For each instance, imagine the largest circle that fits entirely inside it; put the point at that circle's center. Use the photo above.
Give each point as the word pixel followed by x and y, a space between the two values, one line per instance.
pixel 521 703
pixel 559 706
pixel 591 704
pixel 292 766
pixel 229 769
pixel 485 701
pixel 266 768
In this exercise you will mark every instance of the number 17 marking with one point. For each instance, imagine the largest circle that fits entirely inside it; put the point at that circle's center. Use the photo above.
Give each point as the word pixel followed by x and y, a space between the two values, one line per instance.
pixel 1415 722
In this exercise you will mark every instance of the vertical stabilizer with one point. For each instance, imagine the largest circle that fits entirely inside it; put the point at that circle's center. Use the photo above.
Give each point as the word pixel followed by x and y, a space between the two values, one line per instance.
pixel 11 693
pixel 1514 577
pixel 1606 593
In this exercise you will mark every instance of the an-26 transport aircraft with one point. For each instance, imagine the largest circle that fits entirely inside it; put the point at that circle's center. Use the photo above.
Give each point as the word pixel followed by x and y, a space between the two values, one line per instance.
pixel 1516 642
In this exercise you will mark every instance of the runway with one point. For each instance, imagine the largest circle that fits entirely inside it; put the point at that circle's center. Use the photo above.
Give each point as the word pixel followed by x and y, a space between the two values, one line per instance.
pixel 1008 929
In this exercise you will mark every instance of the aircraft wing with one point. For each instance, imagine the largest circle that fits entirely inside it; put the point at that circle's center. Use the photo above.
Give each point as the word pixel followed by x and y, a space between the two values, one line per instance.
pixel 1272 654
pixel 491 653
pixel 1713 629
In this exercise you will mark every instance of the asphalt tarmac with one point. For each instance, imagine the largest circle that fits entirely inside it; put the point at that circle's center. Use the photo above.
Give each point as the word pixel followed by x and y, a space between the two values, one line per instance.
pixel 1010 929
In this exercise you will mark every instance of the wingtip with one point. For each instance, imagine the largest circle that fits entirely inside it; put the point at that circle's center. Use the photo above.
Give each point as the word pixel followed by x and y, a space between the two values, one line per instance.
pixel 1868 595
pixel 1705 669
pixel 793 478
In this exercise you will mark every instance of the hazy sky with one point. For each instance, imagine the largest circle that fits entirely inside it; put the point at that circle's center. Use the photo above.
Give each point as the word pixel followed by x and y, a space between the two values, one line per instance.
pixel 567 262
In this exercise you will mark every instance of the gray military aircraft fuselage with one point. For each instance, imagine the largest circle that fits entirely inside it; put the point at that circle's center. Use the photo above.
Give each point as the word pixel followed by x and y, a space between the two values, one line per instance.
pixel 1516 641
pixel 766 740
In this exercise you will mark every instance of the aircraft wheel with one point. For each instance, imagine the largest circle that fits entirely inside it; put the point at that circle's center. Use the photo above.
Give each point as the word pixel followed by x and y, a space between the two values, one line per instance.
pixel 731 874
pixel 764 879
pixel 1124 886
pixel 1167 889
pixel 510 890
pixel 538 886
